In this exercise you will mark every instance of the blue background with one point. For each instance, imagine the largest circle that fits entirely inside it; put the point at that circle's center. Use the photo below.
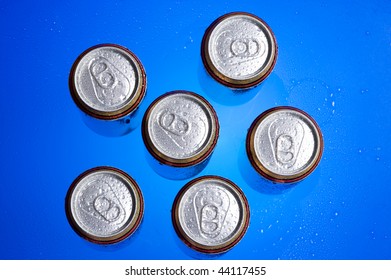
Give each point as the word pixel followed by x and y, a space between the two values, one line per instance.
pixel 334 63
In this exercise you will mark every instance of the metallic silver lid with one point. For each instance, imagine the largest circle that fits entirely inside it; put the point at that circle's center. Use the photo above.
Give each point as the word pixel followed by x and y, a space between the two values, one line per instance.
pixel 284 144
pixel 104 205
pixel 107 81
pixel 239 50
pixel 180 128
pixel 211 214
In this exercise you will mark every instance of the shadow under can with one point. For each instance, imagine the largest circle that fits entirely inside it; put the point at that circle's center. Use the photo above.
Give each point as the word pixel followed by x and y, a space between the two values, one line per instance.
pixel 175 172
pixel 113 128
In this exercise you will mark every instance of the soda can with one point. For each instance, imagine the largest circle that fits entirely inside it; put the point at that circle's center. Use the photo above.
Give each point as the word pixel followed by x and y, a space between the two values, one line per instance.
pixel 180 130
pixel 104 205
pixel 239 50
pixel 284 144
pixel 210 214
pixel 108 82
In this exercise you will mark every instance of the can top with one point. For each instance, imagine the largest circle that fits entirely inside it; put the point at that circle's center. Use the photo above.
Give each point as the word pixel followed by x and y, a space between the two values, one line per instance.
pixel 104 205
pixel 180 128
pixel 239 50
pixel 211 214
pixel 284 144
pixel 107 81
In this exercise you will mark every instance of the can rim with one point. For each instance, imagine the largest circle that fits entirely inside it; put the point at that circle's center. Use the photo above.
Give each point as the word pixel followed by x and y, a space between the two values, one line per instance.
pixel 135 220
pixel 230 82
pixel 261 169
pixel 129 108
pixel 203 155
pixel 217 249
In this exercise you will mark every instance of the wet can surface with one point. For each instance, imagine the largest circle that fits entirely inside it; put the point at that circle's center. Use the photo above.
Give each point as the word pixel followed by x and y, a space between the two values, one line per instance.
pixel 104 205
pixel 239 50
pixel 108 82
pixel 180 129
pixel 210 214
pixel 284 144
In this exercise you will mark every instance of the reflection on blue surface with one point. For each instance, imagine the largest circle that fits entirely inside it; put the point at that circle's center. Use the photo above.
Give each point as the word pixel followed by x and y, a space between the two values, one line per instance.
pixel 334 63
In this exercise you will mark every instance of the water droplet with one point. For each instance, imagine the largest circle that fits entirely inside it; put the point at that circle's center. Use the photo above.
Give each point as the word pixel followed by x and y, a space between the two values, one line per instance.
pixel 364 91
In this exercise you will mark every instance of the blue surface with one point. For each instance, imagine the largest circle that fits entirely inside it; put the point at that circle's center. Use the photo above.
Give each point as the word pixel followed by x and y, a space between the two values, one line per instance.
pixel 334 62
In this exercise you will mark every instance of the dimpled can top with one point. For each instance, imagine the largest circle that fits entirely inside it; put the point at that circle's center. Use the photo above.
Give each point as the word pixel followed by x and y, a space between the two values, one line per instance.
pixel 107 81
pixel 104 205
pixel 211 214
pixel 180 128
pixel 284 144
pixel 239 50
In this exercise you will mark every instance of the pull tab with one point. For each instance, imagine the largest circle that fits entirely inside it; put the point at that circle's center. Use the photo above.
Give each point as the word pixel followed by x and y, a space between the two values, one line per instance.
pixel 174 124
pixel 100 201
pixel 183 128
pixel 211 207
pixel 234 50
pixel 110 85
pixel 245 47
pixel 286 139
pixel 107 209
pixel 285 149
pixel 209 219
